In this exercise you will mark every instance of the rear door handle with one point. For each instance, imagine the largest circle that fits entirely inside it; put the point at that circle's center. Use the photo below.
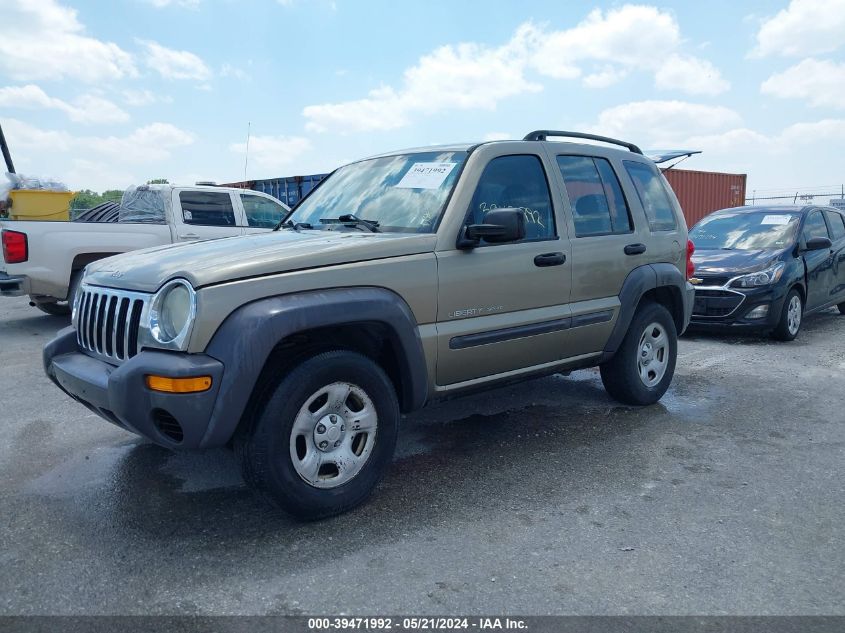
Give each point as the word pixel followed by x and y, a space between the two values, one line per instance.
pixel 189 236
pixel 549 259
pixel 635 249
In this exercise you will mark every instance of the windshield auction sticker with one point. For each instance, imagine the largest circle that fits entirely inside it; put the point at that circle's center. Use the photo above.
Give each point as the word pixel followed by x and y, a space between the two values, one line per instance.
pixel 776 219
pixel 425 175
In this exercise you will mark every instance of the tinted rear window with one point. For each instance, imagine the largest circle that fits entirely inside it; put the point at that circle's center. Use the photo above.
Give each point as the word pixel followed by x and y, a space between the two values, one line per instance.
pixel 653 196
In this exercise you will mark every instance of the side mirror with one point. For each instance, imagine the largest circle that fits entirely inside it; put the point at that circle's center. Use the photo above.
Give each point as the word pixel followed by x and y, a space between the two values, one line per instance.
pixel 500 225
pixel 818 243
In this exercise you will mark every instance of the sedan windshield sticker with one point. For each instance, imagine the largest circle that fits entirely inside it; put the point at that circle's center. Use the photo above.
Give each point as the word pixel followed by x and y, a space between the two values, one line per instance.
pixel 425 175
pixel 776 219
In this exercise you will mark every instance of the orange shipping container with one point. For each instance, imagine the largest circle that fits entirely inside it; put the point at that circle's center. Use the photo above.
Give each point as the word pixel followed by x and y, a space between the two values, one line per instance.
pixel 702 192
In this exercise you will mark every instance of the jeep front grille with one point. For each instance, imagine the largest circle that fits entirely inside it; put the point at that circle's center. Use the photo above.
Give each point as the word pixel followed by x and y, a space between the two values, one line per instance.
pixel 107 322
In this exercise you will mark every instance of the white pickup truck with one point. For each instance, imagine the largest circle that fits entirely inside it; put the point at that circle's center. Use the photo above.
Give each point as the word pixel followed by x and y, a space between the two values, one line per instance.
pixel 45 259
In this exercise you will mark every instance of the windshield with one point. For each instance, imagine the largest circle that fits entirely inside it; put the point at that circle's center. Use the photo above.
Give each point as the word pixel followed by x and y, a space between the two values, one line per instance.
pixel 745 231
pixel 403 193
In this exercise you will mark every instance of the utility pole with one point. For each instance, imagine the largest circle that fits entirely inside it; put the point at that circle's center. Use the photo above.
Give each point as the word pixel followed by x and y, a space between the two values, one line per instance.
pixel 246 158
pixel 10 166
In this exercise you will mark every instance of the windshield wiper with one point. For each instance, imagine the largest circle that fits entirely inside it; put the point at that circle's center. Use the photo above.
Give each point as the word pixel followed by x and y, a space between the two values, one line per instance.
pixel 296 226
pixel 349 219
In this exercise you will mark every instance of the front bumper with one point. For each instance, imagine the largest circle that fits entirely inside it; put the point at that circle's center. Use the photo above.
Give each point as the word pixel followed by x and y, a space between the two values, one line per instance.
pixel 120 394
pixel 745 301
pixel 13 286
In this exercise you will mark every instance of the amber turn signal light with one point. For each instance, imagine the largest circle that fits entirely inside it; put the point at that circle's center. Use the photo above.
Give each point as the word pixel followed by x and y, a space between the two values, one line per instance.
pixel 179 385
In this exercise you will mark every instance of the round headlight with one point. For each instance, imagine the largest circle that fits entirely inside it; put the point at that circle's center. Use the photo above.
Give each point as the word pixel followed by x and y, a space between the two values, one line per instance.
pixel 172 311
pixel 175 311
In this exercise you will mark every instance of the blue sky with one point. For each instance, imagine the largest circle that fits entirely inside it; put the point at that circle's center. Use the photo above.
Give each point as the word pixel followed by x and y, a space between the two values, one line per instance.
pixel 102 95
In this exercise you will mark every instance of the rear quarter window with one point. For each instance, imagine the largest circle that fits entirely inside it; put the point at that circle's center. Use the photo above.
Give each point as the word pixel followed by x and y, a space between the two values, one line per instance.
pixel 652 193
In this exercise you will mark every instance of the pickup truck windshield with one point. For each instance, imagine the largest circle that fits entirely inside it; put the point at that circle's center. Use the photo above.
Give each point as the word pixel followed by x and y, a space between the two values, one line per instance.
pixel 745 231
pixel 404 193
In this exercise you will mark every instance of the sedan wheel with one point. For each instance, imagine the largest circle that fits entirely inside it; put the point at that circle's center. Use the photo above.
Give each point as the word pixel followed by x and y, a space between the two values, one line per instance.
pixel 791 316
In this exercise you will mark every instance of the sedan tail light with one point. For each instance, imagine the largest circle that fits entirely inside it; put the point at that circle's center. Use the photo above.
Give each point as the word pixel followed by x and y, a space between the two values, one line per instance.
pixel 15 248
pixel 690 265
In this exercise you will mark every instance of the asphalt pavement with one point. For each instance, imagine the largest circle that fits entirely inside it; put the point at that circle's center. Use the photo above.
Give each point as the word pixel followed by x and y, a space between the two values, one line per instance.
pixel 727 497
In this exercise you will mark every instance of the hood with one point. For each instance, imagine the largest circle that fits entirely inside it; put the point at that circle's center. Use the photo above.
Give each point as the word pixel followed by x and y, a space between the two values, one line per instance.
pixel 733 262
pixel 228 259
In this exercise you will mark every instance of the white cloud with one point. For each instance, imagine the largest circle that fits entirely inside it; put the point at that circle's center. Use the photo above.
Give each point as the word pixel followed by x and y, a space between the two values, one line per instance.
pixel 42 39
pixel 602 49
pixel 228 70
pixel 805 27
pixel 89 108
pixel 173 64
pixel 273 152
pixel 819 82
pixel 633 36
pixel 690 75
pixel 768 157
pixel 823 131
pixel 466 76
pixel 188 4
pixel 663 123
pixel 605 77
pixel 146 144
pixel 138 98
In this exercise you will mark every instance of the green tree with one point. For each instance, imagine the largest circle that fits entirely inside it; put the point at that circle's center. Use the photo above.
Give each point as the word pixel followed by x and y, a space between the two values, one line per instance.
pixel 112 195
pixel 85 199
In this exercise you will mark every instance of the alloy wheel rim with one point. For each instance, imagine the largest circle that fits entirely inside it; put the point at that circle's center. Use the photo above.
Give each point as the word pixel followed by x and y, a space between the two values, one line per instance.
pixel 793 315
pixel 653 354
pixel 333 435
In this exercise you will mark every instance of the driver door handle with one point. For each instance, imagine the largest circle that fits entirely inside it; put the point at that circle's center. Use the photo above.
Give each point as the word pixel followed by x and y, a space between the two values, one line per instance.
pixel 189 236
pixel 549 259
pixel 635 249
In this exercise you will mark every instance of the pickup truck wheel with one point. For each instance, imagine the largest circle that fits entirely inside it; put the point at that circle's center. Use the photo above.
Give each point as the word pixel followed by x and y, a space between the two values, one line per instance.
pixel 790 317
pixel 325 437
pixel 54 309
pixel 63 308
pixel 642 368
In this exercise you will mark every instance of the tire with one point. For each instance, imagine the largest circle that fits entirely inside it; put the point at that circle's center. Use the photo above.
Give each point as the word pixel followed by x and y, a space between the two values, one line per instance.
pixel 54 309
pixel 63 308
pixel 73 287
pixel 790 320
pixel 631 379
pixel 280 445
pixel 841 307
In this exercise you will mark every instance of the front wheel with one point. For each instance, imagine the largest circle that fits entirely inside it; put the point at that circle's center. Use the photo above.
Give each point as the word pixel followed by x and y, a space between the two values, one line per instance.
pixel 642 368
pixel 791 316
pixel 325 437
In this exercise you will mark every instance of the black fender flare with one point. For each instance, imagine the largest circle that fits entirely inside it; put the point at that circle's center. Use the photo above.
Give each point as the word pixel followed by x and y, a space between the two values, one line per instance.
pixel 245 340
pixel 638 282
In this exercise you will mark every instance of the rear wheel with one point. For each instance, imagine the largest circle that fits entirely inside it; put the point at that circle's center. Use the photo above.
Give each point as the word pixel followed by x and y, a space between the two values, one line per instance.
pixel 790 317
pixel 325 437
pixel 63 308
pixel 642 368
pixel 54 308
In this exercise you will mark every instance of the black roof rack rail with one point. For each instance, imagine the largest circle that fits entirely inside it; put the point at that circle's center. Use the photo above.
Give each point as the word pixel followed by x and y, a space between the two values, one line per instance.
pixel 541 135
